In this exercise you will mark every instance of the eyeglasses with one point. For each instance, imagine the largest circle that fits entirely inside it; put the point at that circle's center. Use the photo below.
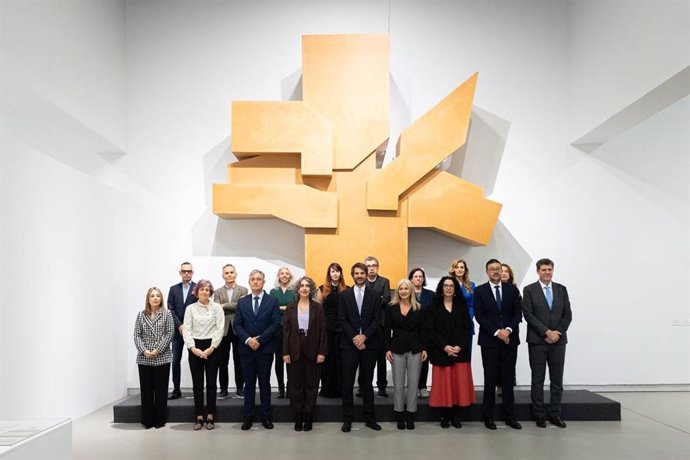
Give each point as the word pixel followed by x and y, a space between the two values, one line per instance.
pixel 372 265
pixel 187 272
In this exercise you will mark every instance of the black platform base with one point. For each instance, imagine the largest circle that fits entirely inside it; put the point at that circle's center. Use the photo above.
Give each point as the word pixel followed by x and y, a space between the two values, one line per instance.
pixel 578 405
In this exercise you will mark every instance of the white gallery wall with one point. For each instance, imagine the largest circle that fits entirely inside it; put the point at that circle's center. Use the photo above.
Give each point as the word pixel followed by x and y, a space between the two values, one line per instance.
pixel 151 94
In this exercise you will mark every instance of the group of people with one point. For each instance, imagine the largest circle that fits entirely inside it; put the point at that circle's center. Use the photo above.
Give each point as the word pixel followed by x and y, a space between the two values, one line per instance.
pixel 331 334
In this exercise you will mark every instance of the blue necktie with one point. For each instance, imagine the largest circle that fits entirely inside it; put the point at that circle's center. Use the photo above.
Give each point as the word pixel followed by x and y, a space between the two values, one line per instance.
pixel 498 297
pixel 256 305
pixel 549 296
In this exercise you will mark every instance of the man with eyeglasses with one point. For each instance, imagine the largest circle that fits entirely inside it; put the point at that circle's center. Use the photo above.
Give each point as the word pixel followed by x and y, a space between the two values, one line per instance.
pixel 498 310
pixel 179 298
pixel 382 287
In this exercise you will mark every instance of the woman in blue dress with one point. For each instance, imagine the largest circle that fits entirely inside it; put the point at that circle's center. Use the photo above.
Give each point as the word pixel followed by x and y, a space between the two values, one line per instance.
pixel 461 275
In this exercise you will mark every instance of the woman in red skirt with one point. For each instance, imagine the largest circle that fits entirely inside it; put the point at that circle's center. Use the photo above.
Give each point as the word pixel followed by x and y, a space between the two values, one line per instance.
pixel 448 331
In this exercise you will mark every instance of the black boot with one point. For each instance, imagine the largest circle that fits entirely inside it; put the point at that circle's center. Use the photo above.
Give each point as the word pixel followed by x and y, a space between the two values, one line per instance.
pixel 445 417
pixel 455 417
pixel 299 420
pixel 400 417
pixel 308 420
pixel 409 422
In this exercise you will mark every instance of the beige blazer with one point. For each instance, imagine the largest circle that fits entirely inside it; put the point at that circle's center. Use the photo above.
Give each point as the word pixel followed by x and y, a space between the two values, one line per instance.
pixel 220 296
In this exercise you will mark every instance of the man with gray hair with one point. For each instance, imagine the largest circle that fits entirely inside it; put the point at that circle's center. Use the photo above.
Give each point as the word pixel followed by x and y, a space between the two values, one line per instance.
pixel 257 321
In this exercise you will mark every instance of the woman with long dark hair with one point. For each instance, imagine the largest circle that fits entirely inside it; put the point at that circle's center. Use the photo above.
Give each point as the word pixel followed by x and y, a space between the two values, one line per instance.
pixel 327 295
pixel 447 332
pixel 304 349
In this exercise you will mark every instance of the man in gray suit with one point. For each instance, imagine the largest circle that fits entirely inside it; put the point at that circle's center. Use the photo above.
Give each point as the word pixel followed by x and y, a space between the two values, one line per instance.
pixel 228 296
pixel 546 308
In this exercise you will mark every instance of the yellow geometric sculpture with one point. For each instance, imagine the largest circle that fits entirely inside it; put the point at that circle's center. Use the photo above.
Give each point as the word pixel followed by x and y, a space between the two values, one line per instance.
pixel 313 162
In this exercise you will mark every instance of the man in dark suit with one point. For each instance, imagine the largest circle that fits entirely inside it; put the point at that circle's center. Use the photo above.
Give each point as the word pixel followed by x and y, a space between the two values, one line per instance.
pixel 497 308
pixel 359 311
pixel 228 296
pixel 257 321
pixel 179 298
pixel 382 287
pixel 548 315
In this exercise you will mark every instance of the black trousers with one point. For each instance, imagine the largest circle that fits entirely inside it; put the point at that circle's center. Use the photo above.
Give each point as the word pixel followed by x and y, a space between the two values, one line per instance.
pixel 153 381
pixel 539 356
pixel 279 364
pixel 381 366
pixel 423 374
pixel 499 368
pixel 365 361
pixel 230 342
pixel 204 367
pixel 332 367
pixel 303 376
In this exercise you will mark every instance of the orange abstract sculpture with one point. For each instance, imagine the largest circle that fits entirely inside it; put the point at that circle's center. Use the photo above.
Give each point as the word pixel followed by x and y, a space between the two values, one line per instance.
pixel 322 152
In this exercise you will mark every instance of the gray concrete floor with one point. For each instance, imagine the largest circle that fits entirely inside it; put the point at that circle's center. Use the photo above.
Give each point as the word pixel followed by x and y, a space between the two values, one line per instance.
pixel 655 425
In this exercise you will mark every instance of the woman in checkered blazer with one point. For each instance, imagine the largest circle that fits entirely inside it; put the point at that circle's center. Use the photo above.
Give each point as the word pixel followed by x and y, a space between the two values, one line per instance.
pixel 153 332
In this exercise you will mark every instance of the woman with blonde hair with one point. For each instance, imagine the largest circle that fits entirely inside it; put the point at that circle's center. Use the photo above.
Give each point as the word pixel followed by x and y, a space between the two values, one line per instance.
pixel 153 332
pixel 405 351
pixel 285 294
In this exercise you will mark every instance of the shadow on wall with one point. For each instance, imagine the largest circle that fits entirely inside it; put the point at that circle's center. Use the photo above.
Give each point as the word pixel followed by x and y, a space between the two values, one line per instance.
pixel 434 251
pixel 479 160
pixel 291 86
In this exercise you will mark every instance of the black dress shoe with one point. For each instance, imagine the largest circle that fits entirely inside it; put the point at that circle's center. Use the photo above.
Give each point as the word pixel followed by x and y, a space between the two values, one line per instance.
pixel 308 421
pixel 159 425
pixel 246 425
pixel 347 426
pixel 176 394
pixel 445 423
pixel 383 393
pixel 299 421
pixel 267 424
pixel 373 425
pixel 514 424
pixel 281 394
pixel 556 420
pixel 223 394
pixel 455 421
pixel 359 394
pixel 489 423
pixel 541 422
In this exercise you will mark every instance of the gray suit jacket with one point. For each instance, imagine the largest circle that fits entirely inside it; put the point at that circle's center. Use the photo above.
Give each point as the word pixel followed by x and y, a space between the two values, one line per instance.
pixel 220 296
pixel 539 318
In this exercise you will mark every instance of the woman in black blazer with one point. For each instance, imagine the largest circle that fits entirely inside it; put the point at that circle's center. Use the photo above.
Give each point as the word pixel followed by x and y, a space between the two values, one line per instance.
pixel 425 297
pixel 304 350
pixel 447 332
pixel 402 338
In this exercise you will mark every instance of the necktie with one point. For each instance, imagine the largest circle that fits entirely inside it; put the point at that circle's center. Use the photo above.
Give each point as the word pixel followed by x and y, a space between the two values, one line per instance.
pixel 256 305
pixel 498 297
pixel 185 291
pixel 359 299
pixel 549 296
